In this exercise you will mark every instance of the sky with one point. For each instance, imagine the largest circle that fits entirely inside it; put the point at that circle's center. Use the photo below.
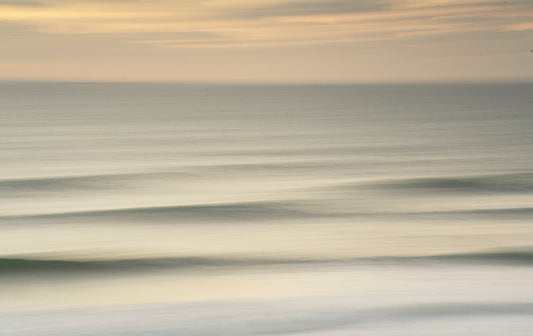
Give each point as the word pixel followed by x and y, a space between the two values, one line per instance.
pixel 286 41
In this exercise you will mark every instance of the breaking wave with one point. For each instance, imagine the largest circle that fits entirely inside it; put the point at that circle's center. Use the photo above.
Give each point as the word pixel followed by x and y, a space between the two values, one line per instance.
pixel 255 211
pixel 502 183
pixel 21 265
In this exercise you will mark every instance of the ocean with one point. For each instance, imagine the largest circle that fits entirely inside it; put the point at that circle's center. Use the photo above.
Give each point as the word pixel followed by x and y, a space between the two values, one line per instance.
pixel 212 209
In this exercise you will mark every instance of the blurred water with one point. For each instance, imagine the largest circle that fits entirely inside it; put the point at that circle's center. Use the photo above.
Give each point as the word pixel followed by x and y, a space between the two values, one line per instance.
pixel 173 209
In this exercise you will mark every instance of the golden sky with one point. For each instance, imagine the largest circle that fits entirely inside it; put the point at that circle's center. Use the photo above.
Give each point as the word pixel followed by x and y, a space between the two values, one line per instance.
pixel 266 40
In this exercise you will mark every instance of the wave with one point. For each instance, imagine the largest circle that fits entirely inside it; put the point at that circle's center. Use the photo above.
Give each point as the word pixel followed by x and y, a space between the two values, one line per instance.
pixel 249 211
pixel 349 318
pixel 252 318
pixel 122 180
pixel 503 183
pixel 504 212
pixel 84 182
pixel 21 265
pixel 505 258
pixel 520 213
pixel 254 212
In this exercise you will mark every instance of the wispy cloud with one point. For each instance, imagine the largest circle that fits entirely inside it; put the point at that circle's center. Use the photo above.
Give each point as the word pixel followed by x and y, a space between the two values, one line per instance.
pixel 520 26
pixel 265 39
pixel 267 21
pixel 311 7
pixel 21 3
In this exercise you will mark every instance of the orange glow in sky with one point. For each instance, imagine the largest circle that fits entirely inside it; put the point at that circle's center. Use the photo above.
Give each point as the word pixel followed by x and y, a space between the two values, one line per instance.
pixel 266 40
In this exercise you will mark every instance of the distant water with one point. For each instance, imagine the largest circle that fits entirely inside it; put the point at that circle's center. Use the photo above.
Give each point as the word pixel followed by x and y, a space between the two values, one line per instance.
pixel 172 209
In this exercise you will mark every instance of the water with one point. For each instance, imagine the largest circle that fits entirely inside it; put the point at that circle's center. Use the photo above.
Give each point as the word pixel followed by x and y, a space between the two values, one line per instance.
pixel 173 209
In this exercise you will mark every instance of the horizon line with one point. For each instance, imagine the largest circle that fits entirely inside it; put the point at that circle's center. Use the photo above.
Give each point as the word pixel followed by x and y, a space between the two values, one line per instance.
pixel 279 83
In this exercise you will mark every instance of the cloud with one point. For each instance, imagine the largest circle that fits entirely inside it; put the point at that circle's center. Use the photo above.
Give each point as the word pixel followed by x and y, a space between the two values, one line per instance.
pixel 520 26
pixel 452 3
pixel 21 3
pixel 236 23
pixel 265 39
pixel 312 7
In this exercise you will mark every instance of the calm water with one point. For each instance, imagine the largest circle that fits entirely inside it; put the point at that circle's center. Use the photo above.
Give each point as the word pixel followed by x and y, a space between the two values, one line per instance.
pixel 167 209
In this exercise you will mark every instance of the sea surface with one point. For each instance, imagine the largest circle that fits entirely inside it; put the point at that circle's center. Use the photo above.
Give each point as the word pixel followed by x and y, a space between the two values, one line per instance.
pixel 305 210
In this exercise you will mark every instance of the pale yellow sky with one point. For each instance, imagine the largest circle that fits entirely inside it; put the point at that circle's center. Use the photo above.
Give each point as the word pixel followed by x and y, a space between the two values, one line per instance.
pixel 266 40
